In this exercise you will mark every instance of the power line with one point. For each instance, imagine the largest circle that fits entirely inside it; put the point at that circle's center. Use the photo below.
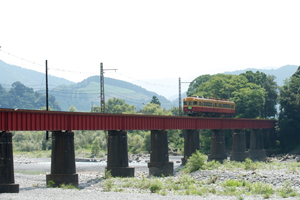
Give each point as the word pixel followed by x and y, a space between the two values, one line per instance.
pixel 21 58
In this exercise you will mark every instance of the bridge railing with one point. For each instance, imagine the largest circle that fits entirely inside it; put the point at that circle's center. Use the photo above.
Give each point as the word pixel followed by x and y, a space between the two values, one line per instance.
pixel 36 120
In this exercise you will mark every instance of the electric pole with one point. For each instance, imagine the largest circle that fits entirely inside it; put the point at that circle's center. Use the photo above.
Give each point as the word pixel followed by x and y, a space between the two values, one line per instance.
pixel 179 97
pixel 47 98
pixel 102 96
pixel 180 108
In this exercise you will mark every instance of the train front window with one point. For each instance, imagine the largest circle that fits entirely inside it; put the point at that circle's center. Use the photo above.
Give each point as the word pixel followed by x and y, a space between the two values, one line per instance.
pixel 185 103
pixel 190 103
pixel 195 103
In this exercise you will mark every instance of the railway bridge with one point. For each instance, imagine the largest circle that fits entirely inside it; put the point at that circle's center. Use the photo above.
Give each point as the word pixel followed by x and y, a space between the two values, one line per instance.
pixel 61 124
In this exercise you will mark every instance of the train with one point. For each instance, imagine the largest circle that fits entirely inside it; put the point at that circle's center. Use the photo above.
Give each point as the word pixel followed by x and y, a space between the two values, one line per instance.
pixel 208 107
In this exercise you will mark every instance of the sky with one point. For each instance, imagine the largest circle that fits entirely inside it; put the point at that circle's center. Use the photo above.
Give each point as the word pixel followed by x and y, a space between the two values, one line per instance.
pixel 149 41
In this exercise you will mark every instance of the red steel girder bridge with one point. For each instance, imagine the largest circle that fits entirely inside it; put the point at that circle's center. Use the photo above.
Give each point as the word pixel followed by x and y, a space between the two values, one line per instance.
pixel 35 120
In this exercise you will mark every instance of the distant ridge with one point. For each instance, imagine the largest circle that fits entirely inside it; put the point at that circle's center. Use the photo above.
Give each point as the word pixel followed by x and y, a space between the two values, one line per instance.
pixel 281 73
pixel 81 95
pixel 12 73
pixel 85 93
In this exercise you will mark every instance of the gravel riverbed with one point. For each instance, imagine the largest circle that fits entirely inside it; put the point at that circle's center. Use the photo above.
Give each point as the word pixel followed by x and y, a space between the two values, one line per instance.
pixel 30 174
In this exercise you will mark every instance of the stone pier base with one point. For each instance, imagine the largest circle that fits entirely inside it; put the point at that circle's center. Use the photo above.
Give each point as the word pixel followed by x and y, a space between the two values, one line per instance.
pixel 257 151
pixel 159 164
pixel 161 169
pixel 117 155
pixel 239 152
pixel 191 144
pixel 217 146
pixel 7 179
pixel 63 169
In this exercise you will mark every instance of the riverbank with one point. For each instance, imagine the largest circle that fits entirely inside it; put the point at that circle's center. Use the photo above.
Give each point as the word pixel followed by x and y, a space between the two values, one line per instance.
pixel 205 184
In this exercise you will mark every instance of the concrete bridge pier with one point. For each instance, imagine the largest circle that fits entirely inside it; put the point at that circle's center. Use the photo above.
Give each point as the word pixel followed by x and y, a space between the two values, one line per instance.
pixel 117 154
pixel 271 138
pixel 191 144
pixel 256 151
pixel 238 145
pixel 159 164
pixel 63 169
pixel 217 145
pixel 7 179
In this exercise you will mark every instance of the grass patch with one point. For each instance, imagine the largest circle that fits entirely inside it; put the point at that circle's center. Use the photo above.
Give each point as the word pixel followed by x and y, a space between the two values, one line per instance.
pixel 155 185
pixel 68 186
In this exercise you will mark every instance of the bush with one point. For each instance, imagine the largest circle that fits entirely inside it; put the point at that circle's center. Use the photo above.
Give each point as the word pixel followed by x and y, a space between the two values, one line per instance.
pixel 195 162
pixel 155 186
pixel 249 165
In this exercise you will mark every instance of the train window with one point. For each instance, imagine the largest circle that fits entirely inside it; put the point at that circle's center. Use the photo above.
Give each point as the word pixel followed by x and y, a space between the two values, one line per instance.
pixel 226 106
pixel 185 103
pixel 216 105
pixel 190 103
pixel 195 103
pixel 207 104
pixel 220 105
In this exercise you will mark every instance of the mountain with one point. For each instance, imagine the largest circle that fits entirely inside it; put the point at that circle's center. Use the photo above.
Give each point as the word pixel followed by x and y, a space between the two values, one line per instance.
pixel 281 73
pixel 30 78
pixel 85 94
pixel 81 95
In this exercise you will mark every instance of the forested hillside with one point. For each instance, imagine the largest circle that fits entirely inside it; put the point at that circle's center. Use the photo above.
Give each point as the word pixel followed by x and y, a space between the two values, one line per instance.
pixel 21 97
pixel 86 94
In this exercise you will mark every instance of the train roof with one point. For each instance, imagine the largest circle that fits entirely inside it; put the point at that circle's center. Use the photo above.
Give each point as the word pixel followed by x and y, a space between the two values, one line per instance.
pixel 211 98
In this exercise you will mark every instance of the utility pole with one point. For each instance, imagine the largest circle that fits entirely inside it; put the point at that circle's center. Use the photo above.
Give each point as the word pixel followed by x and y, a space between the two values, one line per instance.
pixel 102 96
pixel 179 98
pixel 47 105
pixel 47 99
pixel 180 108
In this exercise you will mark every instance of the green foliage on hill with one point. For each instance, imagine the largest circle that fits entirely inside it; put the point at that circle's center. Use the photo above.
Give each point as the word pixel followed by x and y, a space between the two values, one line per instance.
pixel 255 94
pixel 289 116
pixel 21 97
pixel 82 95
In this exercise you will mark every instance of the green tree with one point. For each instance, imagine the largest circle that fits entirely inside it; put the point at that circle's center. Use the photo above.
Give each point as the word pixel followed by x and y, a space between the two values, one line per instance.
pixel 289 116
pixel 195 84
pixel 96 109
pixel 22 97
pixel 147 142
pixel 249 101
pixel 155 100
pixel 72 109
pixel 268 83
pixel 116 105
pixel 95 148
pixel 154 109
pixel 175 111
pixel 255 94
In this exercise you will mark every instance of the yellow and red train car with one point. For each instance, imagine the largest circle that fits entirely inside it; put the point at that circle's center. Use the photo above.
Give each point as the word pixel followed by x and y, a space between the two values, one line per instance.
pixel 208 107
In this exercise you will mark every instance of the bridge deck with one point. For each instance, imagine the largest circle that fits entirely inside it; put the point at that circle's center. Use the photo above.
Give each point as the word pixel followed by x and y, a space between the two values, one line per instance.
pixel 35 120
